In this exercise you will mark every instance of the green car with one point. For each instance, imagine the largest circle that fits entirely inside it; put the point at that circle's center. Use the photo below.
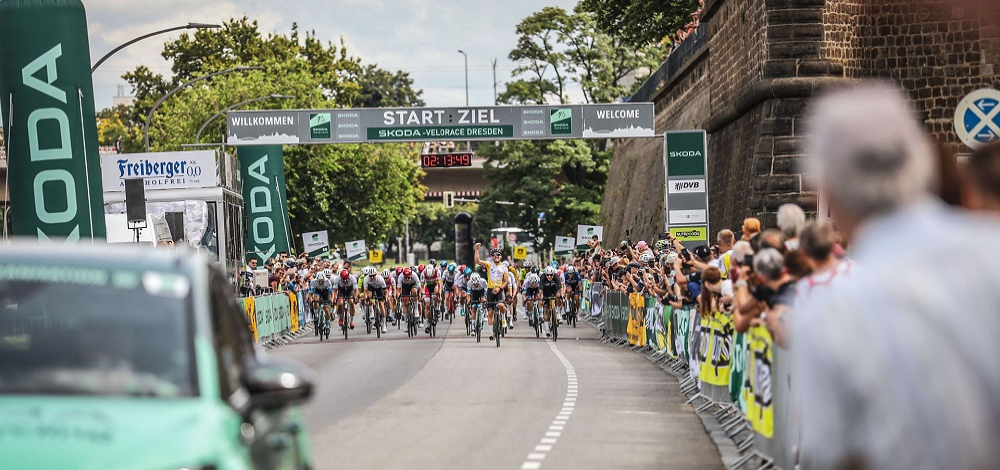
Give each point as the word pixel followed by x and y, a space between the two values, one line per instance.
pixel 117 358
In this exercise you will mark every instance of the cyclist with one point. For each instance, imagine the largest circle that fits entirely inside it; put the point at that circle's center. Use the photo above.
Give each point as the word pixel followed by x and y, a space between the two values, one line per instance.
pixel 347 287
pixel 476 289
pixel 431 277
pixel 496 282
pixel 461 281
pixel 408 287
pixel 573 287
pixel 511 294
pixel 321 289
pixel 374 288
pixel 530 289
pixel 448 277
pixel 551 289
pixel 389 275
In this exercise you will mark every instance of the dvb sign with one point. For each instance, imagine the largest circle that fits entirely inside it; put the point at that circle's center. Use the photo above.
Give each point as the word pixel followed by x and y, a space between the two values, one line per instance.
pixel 263 172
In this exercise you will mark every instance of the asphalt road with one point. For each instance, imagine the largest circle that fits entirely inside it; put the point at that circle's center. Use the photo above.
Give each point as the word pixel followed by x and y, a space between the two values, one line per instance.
pixel 448 402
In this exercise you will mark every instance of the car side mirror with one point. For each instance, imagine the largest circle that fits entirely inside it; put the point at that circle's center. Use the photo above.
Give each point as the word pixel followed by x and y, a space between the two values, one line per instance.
pixel 274 383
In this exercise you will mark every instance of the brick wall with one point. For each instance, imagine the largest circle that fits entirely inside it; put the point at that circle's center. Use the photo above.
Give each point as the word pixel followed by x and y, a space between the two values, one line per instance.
pixel 750 82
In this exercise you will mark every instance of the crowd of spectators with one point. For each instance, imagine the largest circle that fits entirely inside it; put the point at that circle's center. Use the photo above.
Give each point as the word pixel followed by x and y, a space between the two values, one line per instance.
pixel 284 273
pixel 891 315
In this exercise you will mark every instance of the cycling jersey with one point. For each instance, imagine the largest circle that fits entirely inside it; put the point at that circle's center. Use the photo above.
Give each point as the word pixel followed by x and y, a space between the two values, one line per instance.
pixel 407 283
pixel 477 286
pixel 550 288
pixel 374 282
pixel 511 280
pixel 430 275
pixel 346 286
pixel 321 288
pixel 460 280
pixel 531 281
pixel 495 274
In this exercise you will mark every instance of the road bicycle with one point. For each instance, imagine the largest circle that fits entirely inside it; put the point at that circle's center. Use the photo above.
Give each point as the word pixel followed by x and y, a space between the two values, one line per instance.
pixel 573 309
pixel 412 319
pixel 550 310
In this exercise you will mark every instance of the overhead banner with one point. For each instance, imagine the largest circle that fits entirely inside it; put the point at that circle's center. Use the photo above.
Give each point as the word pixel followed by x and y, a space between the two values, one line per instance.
pixel 329 126
pixel 685 161
pixel 356 250
pixel 586 233
pixel 160 170
pixel 47 101
pixel 263 172
pixel 316 243
pixel 564 246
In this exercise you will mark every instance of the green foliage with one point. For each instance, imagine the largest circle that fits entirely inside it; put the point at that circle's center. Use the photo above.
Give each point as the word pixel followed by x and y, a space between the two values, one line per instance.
pixel 354 191
pixel 435 222
pixel 383 89
pixel 640 22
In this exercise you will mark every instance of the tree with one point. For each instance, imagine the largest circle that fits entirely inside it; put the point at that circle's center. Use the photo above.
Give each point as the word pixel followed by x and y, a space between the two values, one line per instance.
pixel 380 88
pixel 111 125
pixel 640 22
pixel 357 191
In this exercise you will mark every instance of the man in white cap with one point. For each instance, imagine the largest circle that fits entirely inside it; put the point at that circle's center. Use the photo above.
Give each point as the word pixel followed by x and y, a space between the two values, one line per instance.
pixel 898 365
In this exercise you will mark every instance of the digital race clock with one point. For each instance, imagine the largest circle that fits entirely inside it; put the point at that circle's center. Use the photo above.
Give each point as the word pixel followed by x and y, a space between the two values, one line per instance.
pixel 446 160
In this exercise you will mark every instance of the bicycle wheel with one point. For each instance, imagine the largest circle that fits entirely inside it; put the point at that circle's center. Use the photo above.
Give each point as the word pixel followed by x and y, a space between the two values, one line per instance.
pixel 468 323
pixel 477 325
pixel 536 320
pixel 347 320
pixel 555 328
pixel 368 318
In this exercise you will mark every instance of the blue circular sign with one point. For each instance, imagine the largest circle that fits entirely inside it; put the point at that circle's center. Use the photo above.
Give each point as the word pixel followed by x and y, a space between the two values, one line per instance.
pixel 977 118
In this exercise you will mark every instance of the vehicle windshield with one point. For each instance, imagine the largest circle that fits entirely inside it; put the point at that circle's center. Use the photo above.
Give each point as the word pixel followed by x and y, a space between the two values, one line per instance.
pixel 88 331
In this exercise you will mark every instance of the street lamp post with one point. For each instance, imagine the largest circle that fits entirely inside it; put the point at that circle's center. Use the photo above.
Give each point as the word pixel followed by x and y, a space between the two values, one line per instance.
pixel 140 38
pixel 466 76
pixel 145 129
pixel 197 137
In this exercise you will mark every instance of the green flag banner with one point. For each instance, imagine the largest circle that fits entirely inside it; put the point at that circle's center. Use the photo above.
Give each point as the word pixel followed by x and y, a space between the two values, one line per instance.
pixel 262 169
pixel 47 100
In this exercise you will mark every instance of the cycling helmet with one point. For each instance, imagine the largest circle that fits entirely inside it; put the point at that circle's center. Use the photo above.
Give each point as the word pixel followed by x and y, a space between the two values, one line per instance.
pixel 570 269
pixel 420 268
pixel 554 264
pixel 534 269
pixel 431 262
pixel 475 277
pixel 328 273
pixel 320 277
pixel 462 267
pixel 385 273
pixel 444 263
pixel 344 274
pixel 368 271
pixel 451 267
pixel 661 244
pixel 527 265
pixel 399 270
pixel 407 272
pixel 646 258
pixel 550 271
pixel 496 251
pixel 467 271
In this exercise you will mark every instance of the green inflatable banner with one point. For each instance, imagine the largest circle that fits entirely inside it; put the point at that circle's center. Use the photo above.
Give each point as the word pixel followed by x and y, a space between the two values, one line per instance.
pixel 262 169
pixel 47 100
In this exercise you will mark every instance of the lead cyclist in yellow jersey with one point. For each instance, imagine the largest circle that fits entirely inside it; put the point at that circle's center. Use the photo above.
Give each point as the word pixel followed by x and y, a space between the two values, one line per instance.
pixel 496 282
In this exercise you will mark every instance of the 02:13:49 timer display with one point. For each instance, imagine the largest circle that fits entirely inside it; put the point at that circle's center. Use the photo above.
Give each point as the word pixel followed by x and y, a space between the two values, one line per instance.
pixel 446 160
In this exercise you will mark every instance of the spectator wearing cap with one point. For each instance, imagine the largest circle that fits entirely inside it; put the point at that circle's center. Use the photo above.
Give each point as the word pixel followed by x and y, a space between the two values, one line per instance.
pixel 981 180
pixel 791 219
pixel 751 227
pixel 892 371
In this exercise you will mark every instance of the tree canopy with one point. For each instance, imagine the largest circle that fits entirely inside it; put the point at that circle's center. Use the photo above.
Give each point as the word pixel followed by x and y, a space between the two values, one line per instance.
pixel 640 22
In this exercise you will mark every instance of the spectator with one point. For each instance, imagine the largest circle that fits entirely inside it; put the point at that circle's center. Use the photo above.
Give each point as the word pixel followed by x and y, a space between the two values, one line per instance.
pixel 774 293
pixel 791 218
pixel 981 175
pixel 751 227
pixel 772 238
pixel 724 262
pixel 595 245
pixel 892 370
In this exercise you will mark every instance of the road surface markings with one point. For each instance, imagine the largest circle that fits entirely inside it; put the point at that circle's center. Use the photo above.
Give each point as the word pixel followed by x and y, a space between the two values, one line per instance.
pixel 535 458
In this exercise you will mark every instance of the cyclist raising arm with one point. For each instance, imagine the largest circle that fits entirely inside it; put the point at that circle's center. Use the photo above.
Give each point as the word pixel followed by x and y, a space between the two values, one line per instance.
pixel 496 282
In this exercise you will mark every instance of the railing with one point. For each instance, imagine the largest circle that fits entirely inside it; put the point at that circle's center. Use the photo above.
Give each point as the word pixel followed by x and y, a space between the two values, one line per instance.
pixel 272 316
pixel 677 58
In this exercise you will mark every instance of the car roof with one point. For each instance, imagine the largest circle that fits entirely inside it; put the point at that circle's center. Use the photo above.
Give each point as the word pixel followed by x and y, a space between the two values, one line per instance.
pixel 100 254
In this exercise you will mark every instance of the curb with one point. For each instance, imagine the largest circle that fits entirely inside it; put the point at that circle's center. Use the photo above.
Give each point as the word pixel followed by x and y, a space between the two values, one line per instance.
pixel 728 446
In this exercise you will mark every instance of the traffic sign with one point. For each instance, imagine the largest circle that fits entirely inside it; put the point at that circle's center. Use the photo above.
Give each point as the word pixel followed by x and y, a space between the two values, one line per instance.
pixel 449 198
pixel 512 237
pixel 375 256
pixel 520 252
pixel 977 118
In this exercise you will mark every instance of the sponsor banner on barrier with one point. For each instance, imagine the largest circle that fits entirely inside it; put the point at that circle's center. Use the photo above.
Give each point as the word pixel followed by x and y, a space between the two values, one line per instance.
pixel 717 361
pixel 757 384
pixel 636 320
pixel 738 372
pixel 316 243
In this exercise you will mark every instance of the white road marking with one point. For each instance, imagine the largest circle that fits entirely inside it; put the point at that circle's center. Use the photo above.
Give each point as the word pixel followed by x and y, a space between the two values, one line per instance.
pixel 534 459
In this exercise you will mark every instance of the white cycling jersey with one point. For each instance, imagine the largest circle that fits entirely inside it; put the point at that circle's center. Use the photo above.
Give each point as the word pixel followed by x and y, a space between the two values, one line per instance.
pixel 477 286
pixel 374 282
pixel 532 281
pixel 350 283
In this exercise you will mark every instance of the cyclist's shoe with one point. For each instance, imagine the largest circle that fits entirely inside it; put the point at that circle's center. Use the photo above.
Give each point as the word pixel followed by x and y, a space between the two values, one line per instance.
pixel 491 337
pixel 340 321
pixel 531 323
pixel 548 334
pixel 352 325
pixel 384 331
pixel 427 330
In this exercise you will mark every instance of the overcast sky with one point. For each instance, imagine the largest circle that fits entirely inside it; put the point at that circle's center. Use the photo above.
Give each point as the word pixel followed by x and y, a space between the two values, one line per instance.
pixel 418 36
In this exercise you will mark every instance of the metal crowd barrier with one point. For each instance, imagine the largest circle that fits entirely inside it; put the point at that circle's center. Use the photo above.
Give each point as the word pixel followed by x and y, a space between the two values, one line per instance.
pixel 742 378
pixel 272 316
